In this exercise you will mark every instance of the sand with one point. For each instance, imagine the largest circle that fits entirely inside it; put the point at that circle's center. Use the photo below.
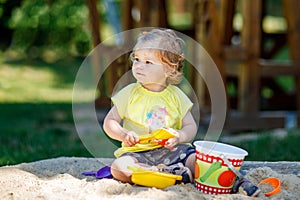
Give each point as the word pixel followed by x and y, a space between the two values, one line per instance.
pixel 60 178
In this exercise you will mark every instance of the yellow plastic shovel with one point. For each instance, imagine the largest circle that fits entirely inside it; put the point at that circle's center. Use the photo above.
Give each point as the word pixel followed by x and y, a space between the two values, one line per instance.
pixel 148 178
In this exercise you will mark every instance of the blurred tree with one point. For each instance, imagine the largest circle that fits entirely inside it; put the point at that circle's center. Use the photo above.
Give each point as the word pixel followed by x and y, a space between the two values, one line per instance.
pixel 6 7
pixel 43 26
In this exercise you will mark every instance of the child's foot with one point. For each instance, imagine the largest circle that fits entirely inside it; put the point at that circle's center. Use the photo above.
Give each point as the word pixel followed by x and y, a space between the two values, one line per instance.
pixel 178 169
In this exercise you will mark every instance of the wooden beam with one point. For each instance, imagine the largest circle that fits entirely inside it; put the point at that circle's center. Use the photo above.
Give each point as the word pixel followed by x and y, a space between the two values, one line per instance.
pixel 268 68
pixel 235 53
pixel 259 122
pixel 274 68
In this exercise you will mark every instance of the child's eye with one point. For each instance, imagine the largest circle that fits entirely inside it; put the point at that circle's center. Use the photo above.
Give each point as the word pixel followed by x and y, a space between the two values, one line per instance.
pixel 148 62
pixel 136 59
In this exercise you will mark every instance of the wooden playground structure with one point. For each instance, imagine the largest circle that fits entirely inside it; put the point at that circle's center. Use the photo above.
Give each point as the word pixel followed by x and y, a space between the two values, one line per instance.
pixel 248 64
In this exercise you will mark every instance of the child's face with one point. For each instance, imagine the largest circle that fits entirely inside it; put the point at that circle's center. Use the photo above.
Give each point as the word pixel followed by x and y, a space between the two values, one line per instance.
pixel 148 70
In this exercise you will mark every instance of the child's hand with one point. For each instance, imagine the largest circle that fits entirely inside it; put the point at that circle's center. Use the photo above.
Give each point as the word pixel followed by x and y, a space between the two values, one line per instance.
pixel 131 139
pixel 172 142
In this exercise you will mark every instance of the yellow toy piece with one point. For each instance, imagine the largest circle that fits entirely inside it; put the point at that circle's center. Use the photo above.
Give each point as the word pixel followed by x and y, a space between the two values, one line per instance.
pixel 159 134
pixel 153 179
pixel 152 141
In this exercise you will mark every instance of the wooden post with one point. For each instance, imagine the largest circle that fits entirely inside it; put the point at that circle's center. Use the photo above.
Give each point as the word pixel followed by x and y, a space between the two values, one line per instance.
pixel 94 20
pixel 162 13
pixel 208 34
pixel 126 18
pixel 95 57
pixel 226 25
pixel 249 92
pixel 145 12
pixel 292 15
pixel 152 12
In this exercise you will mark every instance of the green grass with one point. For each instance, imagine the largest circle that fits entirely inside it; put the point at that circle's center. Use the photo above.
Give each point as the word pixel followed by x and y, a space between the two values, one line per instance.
pixel 36 111
pixel 36 120
pixel 270 148
pixel 31 132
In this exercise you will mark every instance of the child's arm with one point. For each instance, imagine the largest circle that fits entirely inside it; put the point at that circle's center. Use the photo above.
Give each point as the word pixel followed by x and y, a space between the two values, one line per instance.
pixel 112 127
pixel 189 129
pixel 186 134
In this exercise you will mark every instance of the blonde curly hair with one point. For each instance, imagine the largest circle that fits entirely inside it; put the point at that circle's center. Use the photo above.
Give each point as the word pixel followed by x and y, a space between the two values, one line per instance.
pixel 169 49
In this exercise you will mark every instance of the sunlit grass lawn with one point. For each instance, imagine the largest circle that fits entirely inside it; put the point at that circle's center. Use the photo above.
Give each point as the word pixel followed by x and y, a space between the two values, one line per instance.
pixel 36 111
pixel 36 119
pixel 37 81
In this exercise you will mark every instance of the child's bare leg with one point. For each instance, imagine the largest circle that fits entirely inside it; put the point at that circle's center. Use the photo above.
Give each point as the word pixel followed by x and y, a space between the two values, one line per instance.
pixel 119 168
pixel 120 171
pixel 190 163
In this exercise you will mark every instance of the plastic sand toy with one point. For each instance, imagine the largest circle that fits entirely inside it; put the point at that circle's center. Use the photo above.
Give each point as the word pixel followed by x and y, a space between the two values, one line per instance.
pixel 274 182
pixel 104 172
pixel 160 136
pixel 155 140
pixel 250 188
pixel 212 174
pixel 153 179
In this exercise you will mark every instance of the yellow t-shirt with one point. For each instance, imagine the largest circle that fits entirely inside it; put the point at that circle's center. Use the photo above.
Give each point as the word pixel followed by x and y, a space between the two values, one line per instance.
pixel 143 111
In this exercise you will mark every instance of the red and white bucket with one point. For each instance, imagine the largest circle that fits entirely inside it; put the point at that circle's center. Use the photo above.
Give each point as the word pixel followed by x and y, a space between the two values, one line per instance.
pixel 212 175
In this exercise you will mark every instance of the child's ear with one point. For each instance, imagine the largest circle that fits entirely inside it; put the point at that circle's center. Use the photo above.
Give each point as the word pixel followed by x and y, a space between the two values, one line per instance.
pixel 167 70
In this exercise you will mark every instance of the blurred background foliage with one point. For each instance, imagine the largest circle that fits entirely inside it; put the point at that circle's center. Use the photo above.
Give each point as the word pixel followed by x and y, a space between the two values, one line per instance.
pixel 37 27
pixel 53 29
pixel 41 29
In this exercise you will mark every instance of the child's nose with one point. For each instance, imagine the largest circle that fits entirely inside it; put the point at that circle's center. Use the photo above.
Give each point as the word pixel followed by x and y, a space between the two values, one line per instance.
pixel 138 64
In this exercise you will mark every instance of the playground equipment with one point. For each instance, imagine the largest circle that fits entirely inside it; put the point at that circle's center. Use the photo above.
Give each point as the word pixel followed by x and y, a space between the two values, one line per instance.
pixel 241 56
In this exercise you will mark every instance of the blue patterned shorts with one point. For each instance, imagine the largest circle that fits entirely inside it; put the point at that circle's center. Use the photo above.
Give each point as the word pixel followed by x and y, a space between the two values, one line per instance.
pixel 163 155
